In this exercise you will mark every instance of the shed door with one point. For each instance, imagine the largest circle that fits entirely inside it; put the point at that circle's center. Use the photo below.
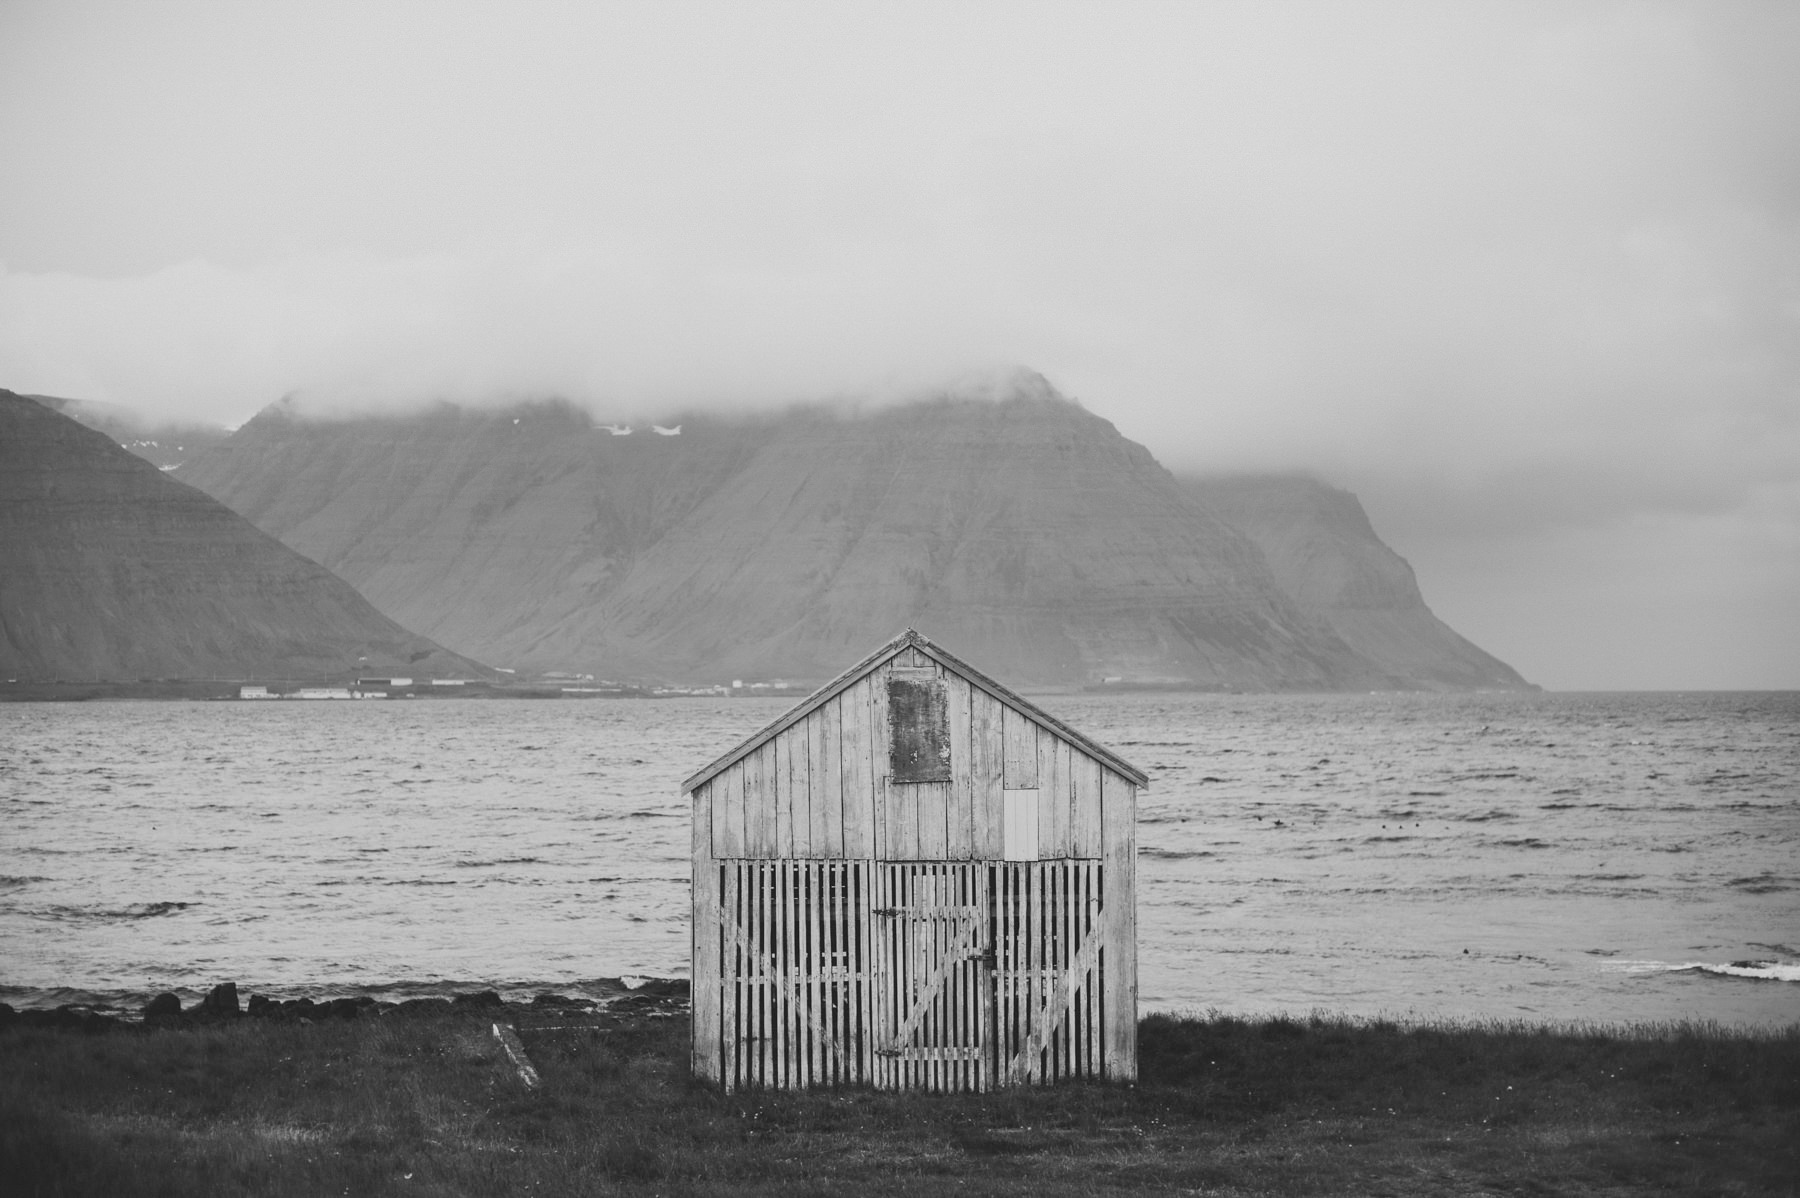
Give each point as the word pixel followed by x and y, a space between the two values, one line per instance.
pixel 933 976
pixel 1048 963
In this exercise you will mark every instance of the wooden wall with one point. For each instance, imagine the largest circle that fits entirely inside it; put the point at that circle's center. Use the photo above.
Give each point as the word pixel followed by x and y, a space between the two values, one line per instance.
pixel 820 789
pixel 792 820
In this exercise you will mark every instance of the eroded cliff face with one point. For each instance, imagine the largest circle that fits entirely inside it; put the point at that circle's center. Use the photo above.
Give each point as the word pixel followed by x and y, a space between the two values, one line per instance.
pixel 1327 557
pixel 1023 532
pixel 111 570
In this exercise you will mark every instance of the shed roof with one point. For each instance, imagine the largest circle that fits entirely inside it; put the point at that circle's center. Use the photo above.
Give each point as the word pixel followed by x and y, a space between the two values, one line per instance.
pixel 911 638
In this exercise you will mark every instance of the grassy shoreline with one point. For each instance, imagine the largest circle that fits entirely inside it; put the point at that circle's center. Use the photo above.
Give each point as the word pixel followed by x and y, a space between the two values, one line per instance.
pixel 1228 1106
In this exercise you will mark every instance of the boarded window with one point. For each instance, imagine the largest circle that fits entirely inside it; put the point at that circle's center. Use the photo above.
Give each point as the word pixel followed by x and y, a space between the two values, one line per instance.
pixel 918 730
pixel 1020 831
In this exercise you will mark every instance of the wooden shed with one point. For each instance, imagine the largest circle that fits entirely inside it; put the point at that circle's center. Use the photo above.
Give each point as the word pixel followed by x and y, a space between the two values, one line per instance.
pixel 915 879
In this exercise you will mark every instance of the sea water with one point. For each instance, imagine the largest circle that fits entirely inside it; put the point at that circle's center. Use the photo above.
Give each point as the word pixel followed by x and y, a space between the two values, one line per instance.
pixel 1550 857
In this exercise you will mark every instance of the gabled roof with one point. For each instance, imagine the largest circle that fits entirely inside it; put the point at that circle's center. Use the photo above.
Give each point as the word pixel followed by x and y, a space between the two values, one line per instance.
pixel 968 673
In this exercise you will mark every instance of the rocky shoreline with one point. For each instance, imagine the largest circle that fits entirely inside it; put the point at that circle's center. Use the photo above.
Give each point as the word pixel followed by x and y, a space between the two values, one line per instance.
pixel 653 998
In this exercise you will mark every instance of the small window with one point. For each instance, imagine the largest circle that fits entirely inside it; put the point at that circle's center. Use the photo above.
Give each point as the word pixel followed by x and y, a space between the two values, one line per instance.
pixel 918 730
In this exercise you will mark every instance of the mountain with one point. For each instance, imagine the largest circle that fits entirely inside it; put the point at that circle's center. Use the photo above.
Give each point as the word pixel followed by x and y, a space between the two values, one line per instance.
pixel 1023 532
pixel 165 444
pixel 1327 558
pixel 109 569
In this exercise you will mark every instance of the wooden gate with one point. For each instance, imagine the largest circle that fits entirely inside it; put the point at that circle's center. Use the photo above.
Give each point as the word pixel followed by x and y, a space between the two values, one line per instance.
pixel 933 967
pixel 909 975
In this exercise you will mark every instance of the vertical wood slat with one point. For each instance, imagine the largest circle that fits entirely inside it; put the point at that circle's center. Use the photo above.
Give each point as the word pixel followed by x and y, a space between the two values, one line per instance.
pixel 704 938
pixel 755 1045
pixel 757 806
pixel 1019 743
pixel 1084 807
pixel 730 1040
pixel 987 781
pixel 858 780
pixel 793 1030
pixel 817 962
pixel 1003 971
pixel 881 975
pixel 1119 909
pixel 1053 798
pixel 960 816
pixel 736 995
pixel 728 813
pixel 828 784
pixel 932 802
pixel 1032 957
pixel 879 734
pixel 987 997
pixel 866 999
pixel 779 842
pixel 799 781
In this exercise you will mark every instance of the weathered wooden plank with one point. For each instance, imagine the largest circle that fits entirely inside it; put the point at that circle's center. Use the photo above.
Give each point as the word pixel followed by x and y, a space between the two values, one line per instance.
pixel 770 1013
pixel 1084 806
pixel 862 956
pixel 987 774
pixel 816 844
pixel 800 776
pixel 932 801
pixel 780 839
pixel 1119 816
pixel 1021 748
pixel 706 965
pixel 758 806
pixel 828 783
pixel 858 782
pixel 886 824
pixel 814 896
pixel 791 990
pixel 728 813
pixel 887 975
pixel 986 994
pixel 731 1039
pixel 1032 999
pixel 1053 799
pixel 754 806
pixel 960 822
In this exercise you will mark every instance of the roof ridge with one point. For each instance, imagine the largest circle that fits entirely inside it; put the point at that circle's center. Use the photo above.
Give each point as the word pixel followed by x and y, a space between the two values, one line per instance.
pixel 912 638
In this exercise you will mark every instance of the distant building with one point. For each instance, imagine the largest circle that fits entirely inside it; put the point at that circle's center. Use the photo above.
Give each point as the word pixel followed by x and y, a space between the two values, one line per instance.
pixel 254 692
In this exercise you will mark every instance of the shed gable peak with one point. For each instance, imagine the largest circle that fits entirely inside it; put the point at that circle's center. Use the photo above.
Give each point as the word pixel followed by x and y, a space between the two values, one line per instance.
pixel 911 651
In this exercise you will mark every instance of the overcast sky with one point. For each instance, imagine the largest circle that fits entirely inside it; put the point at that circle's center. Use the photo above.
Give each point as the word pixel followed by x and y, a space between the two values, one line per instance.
pixel 1524 277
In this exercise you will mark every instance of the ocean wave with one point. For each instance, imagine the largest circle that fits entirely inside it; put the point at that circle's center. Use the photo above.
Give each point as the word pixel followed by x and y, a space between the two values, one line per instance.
pixel 1767 883
pixel 99 914
pixel 1761 971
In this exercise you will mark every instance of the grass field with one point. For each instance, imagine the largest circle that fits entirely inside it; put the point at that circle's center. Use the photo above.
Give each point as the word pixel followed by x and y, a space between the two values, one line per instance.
pixel 1225 1107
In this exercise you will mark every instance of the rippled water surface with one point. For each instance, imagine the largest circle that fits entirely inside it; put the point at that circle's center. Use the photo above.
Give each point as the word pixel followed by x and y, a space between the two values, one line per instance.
pixel 1566 857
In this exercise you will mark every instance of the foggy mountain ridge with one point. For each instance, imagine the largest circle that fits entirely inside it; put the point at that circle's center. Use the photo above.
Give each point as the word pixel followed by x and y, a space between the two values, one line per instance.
pixel 165 444
pixel 1019 530
pixel 114 571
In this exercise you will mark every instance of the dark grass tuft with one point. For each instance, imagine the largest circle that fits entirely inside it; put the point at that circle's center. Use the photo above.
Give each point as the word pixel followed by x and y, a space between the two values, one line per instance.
pixel 1318 1105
